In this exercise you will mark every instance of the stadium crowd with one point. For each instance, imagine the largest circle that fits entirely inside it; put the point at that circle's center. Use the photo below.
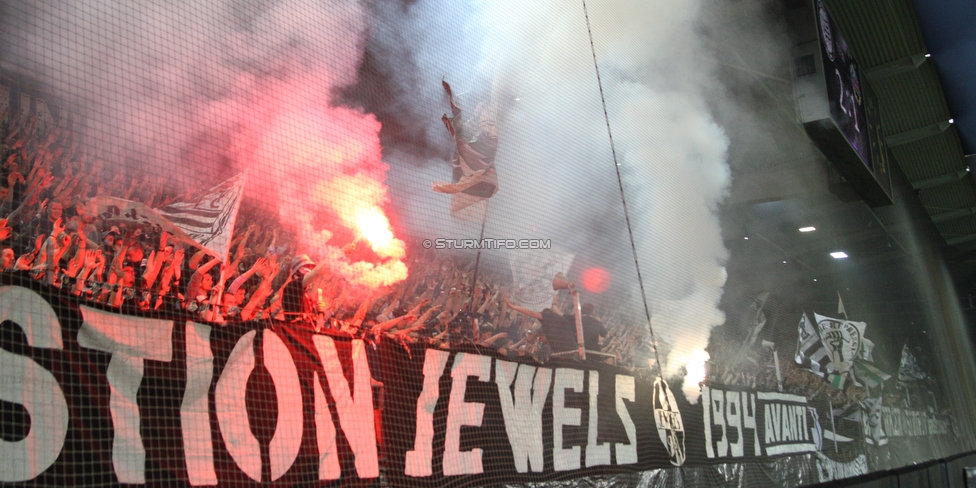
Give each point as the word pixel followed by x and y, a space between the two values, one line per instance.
pixel 49 234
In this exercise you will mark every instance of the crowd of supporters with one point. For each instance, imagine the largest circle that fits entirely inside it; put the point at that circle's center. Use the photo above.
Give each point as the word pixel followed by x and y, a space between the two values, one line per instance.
pixel 49 234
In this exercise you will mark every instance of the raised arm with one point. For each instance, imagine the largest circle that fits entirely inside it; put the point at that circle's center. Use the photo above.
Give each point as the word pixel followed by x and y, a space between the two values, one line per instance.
pixel 521 310
pixel 316 271
pixel 389 324
pixel 259 265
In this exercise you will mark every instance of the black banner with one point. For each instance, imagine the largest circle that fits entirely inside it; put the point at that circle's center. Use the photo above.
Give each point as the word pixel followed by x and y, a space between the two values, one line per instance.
pixel 90 396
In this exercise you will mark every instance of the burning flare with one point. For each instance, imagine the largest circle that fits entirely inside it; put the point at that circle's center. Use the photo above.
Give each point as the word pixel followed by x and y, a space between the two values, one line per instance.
pixel 326 179
pixel 375 227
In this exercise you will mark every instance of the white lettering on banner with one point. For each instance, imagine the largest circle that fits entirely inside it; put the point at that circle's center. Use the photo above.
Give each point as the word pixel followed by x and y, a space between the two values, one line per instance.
pixel 241 444
pixel 419 460
pixel 749 414
pixel 26 383
pixel 355 411
pixel 625 390
pixel 232 408
pixel 938 427
pixel 523 393
pixel 195 409
pixel 325 434
pixel 128 454
pixel 829 470
pixel 786 428
pixel 786 425
pixel 565 459
pixel 911 423
pixel 713 411
pixel 596 454
pixel 461 413
pixel 287 439
pixel 733 418
pixel 523 413
pixel 706 399
pixel 130 340
pixel 33 315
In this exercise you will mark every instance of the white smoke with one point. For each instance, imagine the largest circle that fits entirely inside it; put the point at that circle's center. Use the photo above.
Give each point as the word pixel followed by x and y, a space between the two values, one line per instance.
pixel 556 169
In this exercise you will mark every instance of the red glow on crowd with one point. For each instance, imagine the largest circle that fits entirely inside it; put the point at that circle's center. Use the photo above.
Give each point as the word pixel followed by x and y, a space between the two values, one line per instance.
pixel 596 280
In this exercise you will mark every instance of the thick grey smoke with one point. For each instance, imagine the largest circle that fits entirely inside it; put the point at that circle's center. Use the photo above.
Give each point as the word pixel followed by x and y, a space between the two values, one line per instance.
pixel 555 165
pixel 202 89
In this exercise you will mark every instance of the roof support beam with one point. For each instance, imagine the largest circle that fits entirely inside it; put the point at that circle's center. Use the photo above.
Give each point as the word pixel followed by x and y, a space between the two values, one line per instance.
pixel 896 67
pixel 939 180
pixel 955 214
pixel 917 134
pixel 955 241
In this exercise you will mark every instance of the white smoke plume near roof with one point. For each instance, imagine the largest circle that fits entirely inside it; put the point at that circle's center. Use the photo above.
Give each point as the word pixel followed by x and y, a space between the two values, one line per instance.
pixel 556 174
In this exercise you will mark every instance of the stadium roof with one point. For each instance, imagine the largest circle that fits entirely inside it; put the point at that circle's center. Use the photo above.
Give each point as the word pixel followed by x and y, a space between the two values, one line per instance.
pixel 918 56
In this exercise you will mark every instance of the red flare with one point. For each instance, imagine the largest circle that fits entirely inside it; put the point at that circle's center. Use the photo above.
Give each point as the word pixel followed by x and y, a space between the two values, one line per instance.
pixel 596 280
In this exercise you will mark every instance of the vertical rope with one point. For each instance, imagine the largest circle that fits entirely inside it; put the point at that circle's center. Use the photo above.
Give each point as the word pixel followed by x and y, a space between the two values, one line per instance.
pixel 623 199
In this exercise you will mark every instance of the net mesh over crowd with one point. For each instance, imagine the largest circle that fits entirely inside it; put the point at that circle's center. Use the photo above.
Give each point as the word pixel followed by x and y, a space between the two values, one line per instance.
pixel 437 243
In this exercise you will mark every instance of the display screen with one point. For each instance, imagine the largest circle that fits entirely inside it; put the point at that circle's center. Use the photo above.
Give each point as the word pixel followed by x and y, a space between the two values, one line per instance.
pixel 845 92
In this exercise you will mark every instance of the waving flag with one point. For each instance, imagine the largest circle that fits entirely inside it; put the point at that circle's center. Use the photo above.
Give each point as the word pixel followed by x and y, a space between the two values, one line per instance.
pixel 909 370
pixel 848 412
pixel 134 215
pixel 811 354
pixel 756 320
pixel 210 219
pixel 871 413
pixel 533 271
pixel 474 179
pixel 869 373
pixel 843 341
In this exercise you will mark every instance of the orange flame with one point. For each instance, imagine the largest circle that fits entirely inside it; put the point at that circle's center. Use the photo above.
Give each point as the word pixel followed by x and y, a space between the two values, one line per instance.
pixel 375 227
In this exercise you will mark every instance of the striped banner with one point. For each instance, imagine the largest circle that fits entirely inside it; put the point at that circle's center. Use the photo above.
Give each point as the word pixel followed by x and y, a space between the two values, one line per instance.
pixel 870 373
pixel 810 351
pixel 210 219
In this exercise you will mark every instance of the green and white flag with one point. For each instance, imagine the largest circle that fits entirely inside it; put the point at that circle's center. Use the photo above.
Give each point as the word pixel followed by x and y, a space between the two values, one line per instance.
pixel 870 374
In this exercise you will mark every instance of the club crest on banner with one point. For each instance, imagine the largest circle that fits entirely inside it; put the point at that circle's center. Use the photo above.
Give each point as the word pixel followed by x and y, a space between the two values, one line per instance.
pixel 668 419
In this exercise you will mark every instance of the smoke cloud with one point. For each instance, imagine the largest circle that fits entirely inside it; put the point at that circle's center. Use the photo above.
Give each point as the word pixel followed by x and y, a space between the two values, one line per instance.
pixel 203 90
pixel 555 165
pixel 351 93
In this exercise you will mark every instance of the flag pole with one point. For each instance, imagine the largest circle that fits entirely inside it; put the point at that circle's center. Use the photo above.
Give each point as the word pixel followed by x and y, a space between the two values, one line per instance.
pixel 833 426
pixel 840 306
pixel 477 262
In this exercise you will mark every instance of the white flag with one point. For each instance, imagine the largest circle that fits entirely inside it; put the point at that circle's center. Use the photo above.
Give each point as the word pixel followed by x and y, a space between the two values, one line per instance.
pixel 210 219
pixel 533 272
pixel 843 340
pixel 908 370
